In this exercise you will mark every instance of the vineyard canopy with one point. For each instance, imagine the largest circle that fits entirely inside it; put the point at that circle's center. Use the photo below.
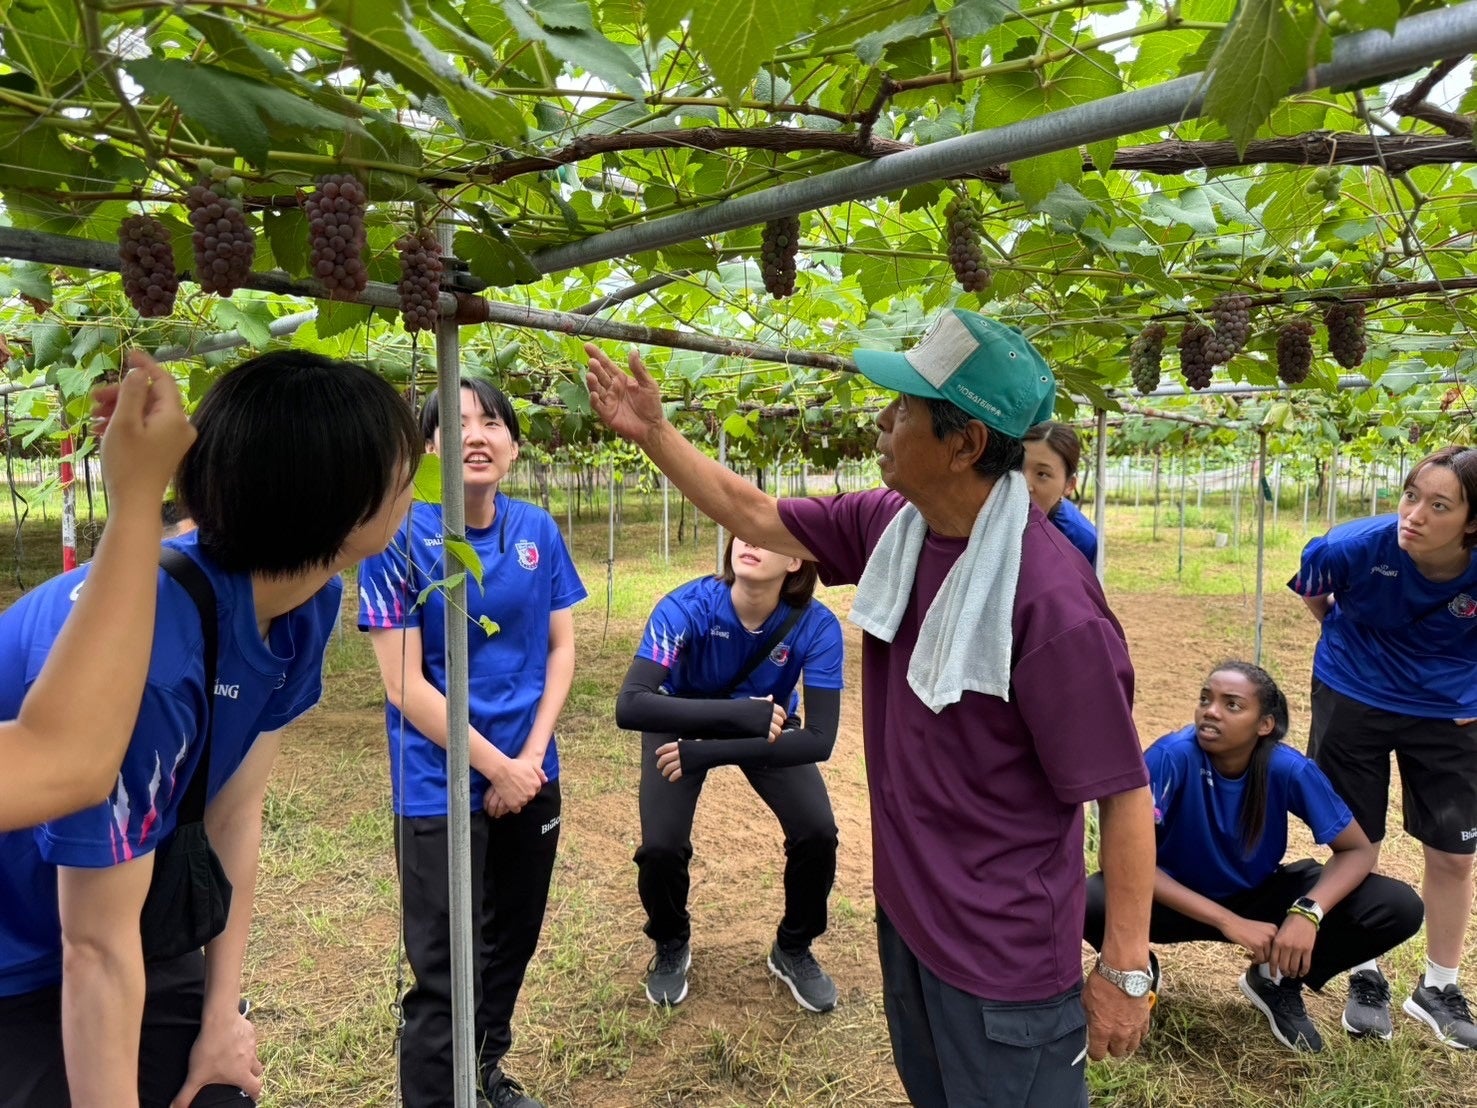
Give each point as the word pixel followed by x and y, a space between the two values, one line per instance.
pixel 538 126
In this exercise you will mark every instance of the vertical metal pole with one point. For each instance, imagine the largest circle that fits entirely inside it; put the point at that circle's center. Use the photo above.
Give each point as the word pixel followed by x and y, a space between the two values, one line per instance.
pixel 666 521
pixel 458 782
pixel 1236 506
pixel 1101 495
pixel 1261 541
pixel 1276 490
pixel 610 554
pixel 718 527
pixel 1306 486
pixel 1374 491
pixel 570 476
pixel 1154 527
pixel 1184 470
pixel 1200 488
pixel 69 506
pixel 1136 482
pixel 1333 487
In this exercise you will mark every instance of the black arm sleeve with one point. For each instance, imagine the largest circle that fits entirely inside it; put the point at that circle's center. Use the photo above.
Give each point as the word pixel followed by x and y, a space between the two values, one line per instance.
pixel 642 706
pixel 795 747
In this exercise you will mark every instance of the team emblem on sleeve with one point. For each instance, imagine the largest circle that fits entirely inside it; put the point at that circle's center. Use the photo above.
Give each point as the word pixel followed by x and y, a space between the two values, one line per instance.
pixel 527 554
pixel 1462 606
pixel 780 654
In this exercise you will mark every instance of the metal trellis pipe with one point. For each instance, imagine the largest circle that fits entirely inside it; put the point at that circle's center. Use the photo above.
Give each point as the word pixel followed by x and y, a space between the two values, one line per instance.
pixel 1100 495
pixel 1417 40
pixel 1261 541
pixel 458 780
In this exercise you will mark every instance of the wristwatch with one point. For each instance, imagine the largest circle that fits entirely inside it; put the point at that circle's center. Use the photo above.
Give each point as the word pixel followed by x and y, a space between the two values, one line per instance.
pixel 1135 983
pixel 1306 905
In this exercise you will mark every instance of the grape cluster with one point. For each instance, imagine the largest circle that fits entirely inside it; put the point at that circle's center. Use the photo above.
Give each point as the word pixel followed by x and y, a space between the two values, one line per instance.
pixel 1295 351
pixel 335 212
pixel 1325 183
pixel 146 260
pixel 1144 356
pixel 1195 364
pixel 965 253
pixel 1415 433
pixel 1230 319
pixel 223 242
pixel 1345 323
pixel 777 249
pixel 420 279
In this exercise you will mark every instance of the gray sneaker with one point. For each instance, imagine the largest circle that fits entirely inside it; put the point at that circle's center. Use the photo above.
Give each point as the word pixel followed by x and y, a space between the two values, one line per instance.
pixel 666 973
pixel 1282 1003
pixel 504 1092
pixel 811 986
pixel 1445 1012
pixel 1367 1015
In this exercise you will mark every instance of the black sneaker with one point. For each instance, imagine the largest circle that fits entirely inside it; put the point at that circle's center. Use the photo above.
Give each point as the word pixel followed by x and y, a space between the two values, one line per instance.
pixel 504 1092
pixel 1367 1015
pixel 1282 1004
pixel 666 973
pixel 1445 1012
pixel 811 986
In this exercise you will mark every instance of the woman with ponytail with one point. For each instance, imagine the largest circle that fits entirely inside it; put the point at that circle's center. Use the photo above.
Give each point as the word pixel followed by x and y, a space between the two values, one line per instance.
pixel 1223 790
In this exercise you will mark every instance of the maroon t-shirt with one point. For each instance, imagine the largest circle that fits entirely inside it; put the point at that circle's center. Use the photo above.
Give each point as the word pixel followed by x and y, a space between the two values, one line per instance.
pixel 977 811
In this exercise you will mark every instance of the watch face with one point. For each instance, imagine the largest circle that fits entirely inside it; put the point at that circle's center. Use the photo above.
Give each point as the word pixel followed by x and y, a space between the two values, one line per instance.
pixel 1136 983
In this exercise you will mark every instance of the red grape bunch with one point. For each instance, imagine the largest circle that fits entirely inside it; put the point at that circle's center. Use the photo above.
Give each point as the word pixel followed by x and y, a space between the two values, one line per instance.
pixel 1144 357
pixel 1230 319
pixel 420 280
pixel 335 212
pixel 966 254
pixel 777 249
pixel 1415 433
pixel 1345 323
pixel 146 260
pixel 223 242
pixel 1295 351
pixel 1195 363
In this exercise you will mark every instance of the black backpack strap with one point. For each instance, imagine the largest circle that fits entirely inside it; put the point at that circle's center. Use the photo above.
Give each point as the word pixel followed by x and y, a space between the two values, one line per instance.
pixel 763 652
pixel 192 579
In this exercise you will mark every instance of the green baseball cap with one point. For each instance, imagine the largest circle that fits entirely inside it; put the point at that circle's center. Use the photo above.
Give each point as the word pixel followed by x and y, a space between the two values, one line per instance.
pixel 987 368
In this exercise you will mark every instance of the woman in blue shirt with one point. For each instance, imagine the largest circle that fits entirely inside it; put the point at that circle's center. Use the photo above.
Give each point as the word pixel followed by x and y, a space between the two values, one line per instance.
pixel 1053 452
pixel 1395 670
pixel 519 676
pixel 1223 790
pixel 713 683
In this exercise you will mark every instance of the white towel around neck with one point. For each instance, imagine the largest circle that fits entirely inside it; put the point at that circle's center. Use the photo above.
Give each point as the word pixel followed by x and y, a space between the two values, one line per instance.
pixel 964 642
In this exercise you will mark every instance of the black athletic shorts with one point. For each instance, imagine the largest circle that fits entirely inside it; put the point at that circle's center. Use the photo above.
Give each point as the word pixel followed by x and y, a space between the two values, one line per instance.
pixel 1352 743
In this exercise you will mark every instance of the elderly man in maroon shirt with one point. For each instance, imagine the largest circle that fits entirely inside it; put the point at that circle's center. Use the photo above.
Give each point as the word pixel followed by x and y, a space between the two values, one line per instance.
pixel 984 734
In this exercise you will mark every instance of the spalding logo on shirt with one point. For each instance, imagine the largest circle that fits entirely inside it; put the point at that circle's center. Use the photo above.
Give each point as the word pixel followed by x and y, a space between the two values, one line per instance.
pixel 1462 606
pixel 780 654
pixel 527 554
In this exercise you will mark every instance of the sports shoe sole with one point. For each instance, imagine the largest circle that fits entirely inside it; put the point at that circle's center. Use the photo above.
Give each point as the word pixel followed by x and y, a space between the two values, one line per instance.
pixel 680 997
pixel 1382 1036
pixel 1261 1006
pixel 800 1000
pixel 1411 1008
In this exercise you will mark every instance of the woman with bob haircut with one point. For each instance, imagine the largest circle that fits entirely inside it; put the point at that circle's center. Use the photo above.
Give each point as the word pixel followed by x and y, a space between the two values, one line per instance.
pixel 714 683
pixel 519 676
pixel 301 467
pixel 1224 788
pixel 1053 452
pixel 1395 671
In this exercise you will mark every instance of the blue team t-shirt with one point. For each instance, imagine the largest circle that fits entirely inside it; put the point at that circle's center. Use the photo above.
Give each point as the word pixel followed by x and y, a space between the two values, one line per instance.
pixel 695 632
pixel 1080 532
pixel 1197 814
pixel 1393 639
pixel 260 686
pixel 527 575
